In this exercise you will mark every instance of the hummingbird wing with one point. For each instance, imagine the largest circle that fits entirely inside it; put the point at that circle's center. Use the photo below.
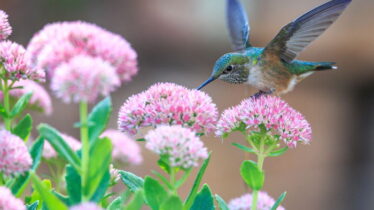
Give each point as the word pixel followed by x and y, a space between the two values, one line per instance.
pixel 295 36
pixel 237 24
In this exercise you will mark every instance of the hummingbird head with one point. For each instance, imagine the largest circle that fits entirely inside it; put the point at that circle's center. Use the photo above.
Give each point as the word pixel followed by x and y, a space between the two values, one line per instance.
pixel 230 68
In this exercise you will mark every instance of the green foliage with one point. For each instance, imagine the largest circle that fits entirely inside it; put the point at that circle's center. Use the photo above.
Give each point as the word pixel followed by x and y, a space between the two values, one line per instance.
pixel 98 119
pixel 20 105
pixel 279 201
pixel 116 204
pixel 191 196
pixel 132 181
pixel 278 152
pixel 3 112
pixel 137 201
pixel 100 158
pixel 164 165
pixel 73 185
pixel 252 175
pixel 244 148
pixel 33 206
pixel 162 179
pixel 172 203
pixel 155 194
pixel 50 200
pixel 221 203
pixel 21 181
pixel 23 128
pixel 62 148
pixel 101 189
pixel 62 198
pixel 203 200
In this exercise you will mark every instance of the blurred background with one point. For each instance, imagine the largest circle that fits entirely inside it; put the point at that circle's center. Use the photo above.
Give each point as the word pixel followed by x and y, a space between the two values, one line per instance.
pixel 178 41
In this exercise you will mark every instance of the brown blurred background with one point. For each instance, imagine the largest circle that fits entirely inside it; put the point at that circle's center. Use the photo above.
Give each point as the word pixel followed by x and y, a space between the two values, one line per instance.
pixel 178 41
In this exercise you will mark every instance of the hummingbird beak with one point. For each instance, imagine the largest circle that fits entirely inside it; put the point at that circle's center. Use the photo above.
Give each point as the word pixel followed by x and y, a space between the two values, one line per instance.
pixel 211 79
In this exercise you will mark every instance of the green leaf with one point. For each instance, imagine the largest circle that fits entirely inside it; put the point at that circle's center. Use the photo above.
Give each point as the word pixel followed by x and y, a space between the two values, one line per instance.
pixel 132 181
pixel 164 165
pixel 21 182
pixel 184 178
pixel 244 148
pixel 278 152
pixel 23 128
pixel 203 200
pixel 51 201
pixel 191 196
pixel 62 198
pixel 155 194
pixel 137 201
pixel 101 189
pixel 221 203
pixel 32 206
pixel 99 118
pixel 140 139
pixel 116 204
pixel 20 105
pixel 3 112
pixel 172 203
pixel 73 185
pixel 279 201
pixel 100 158
pixel 252 175
pixel 58 143
pixel 163 179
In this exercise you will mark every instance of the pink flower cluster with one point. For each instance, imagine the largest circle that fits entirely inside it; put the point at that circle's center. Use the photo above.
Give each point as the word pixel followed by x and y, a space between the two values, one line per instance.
pixel 49 151
pixel 86 206
pixel 8 201
pixel 181 145
pixel 84 78
pixel 15 157
pixel 5 28
pixel 40 98
pixel 124 148
pixel 16 65
pixel 272 112
pixel 265 202
pixel 168 104
pixel 59 42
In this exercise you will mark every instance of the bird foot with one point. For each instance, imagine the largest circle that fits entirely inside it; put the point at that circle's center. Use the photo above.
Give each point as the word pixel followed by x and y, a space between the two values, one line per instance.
pixel 261 93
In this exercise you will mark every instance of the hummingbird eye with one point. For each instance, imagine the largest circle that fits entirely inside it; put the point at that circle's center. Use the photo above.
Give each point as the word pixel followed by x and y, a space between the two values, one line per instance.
pixel 228 69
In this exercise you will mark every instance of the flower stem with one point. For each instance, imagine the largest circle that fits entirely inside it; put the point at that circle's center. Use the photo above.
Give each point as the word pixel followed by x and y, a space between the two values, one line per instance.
pixel 260 162
pixel 172 180
pixel 85 144
pixel 7 120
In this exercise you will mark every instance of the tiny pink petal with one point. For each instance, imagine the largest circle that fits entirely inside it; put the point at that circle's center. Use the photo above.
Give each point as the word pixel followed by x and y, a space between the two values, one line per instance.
pixel 8 201
pixel 5 28
pixel 264 202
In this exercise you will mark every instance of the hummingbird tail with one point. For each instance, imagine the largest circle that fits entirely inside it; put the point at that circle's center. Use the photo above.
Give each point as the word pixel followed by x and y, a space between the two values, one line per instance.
pixel 321 66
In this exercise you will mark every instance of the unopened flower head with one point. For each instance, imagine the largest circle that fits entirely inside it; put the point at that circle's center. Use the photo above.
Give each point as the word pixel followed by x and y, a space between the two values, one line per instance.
pixel 265 202
pixel 40 98
pixel 8 201
pixel 168 104
pixel 16 65
pixel 50 152
pixel 86 206
pixel 15 157
pixel 59 42
pixel 84 78
pixel 180 145
pixel 5 28
pixel 273 113
pixel 124 148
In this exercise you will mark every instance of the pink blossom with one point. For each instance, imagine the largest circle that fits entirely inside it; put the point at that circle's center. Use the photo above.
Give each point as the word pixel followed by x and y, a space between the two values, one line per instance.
pixel 15 63
pixel 272 112
pixel 264 202
pixel 171 104
pixel 15 157
pixel 84 78
pixel 182 147
pixel 8 201
pixel 86 206
pixel 59 42
pixel 124 148
pixel 5 28
pixel 40 98
pixel 49 151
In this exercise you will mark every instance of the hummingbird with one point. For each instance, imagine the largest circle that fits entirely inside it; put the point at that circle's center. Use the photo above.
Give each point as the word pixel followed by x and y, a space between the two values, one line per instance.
pixel 273 69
